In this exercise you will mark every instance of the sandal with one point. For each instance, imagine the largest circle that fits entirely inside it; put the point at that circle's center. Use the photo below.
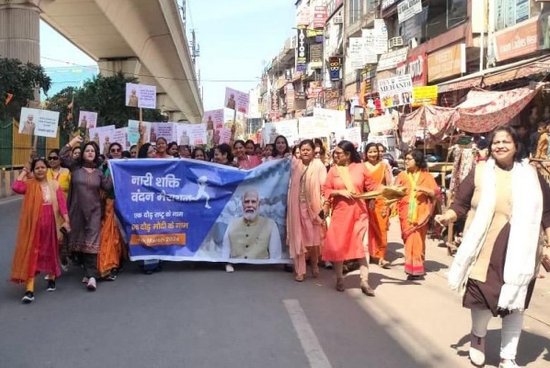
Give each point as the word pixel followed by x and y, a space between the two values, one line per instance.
pixel 340 284
pixel 384 264
pixel 299 278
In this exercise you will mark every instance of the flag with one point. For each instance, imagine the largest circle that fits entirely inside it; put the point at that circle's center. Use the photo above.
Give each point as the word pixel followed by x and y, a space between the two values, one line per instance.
pixel 9 97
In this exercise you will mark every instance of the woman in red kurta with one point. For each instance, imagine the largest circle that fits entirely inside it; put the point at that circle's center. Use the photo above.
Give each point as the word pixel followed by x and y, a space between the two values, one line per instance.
pixel 37 247
pixel 347 233
pixel 379 212
pixel 415 211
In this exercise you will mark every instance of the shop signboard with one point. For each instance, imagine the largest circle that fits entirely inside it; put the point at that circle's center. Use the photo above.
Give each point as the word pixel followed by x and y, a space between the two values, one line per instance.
pixel 355 52
pixel 417 67
pixel 387 3
pixel 391 59
pixel 521 39
pixel 319 16
pixel 408 9
pixel 425 95
pixel 335 65
pixel 301 55
pixel 447 62
pixel 395 91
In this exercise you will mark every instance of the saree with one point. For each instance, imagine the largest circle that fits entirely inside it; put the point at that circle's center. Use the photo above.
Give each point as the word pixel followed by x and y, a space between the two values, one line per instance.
pixel 379 212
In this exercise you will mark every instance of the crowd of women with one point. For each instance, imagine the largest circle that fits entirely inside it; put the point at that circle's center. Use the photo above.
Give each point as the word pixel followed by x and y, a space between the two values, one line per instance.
pixel 338 210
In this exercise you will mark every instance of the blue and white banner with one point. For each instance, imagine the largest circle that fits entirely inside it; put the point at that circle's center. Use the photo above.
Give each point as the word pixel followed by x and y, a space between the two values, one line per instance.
pixel 200 211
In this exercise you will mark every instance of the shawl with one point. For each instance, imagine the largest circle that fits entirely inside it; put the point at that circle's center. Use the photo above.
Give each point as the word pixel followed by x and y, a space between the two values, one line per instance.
pixel 525 222
pixel 314 176
pixel 28 220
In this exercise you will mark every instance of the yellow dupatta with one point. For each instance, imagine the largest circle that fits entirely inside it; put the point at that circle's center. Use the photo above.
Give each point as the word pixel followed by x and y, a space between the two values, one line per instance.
pixel 343 171
pixel 412 214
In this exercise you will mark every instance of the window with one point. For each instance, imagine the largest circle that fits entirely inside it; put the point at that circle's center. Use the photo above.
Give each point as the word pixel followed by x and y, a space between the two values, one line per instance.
pixel 354 10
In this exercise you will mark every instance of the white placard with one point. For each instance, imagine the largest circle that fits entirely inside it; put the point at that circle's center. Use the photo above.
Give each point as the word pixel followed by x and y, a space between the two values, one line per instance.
pixel 42 123
pixel 354 136
pixel 166 131
pixel 121 136
pixel 223 136
pixel 141 95
pixel 87 119
pixel 380 124
pixel 103 137
pixel 236 100
pixel 408 9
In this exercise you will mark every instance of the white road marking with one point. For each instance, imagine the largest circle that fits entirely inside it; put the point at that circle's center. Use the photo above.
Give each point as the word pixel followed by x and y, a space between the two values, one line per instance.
pixel 313 350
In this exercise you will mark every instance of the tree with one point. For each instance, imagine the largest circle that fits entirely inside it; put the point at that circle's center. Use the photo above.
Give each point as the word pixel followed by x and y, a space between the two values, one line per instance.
pixel 20 81
pixel 104 95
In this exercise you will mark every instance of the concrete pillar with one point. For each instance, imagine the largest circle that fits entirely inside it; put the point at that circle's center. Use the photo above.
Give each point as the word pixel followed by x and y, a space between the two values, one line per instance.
pixel 128 66
pixel 20 30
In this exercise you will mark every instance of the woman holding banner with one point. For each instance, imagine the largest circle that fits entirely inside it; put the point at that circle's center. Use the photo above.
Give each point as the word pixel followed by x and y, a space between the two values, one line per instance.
pixel 43 214
pixel 243 160
pixel 85 209
pixel 305 217
pixel 347 233
pixel 415 211
pixel 282 149
pixel 379 213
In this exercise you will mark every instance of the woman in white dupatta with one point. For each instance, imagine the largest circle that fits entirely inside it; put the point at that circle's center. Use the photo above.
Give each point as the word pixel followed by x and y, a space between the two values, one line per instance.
pixel 505 202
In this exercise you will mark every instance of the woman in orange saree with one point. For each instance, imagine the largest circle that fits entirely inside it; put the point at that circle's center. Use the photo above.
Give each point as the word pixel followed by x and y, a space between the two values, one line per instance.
pixel 415 211
pixel 304 217
pixel 379 212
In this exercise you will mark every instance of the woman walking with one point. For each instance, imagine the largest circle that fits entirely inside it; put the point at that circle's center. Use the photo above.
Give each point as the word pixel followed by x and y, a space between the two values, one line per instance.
pixel 415 211
pixel 379 212
pixel 348 230
pixel 304 216
pixel 505 202
pixel 43 214
pixel 87 181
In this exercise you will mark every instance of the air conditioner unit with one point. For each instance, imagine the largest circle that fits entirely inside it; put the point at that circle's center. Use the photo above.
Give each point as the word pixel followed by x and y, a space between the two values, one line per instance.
pixel 395 42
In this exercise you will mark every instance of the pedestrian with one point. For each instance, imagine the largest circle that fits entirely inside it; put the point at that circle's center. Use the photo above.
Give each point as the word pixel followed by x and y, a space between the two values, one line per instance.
pixel 504 202
pixel 85 205
pixel 199 154
pixel 267 153
pixel 304 210
pixel 162 147
pixel 415 211
pixel 223 155
pixel 111 244
pixel 282 149
pixel 172 150
pixel 347 235
pixel 379 212
pixel 242 159
pixel 43 215
pixel 147 150
pixel 76 152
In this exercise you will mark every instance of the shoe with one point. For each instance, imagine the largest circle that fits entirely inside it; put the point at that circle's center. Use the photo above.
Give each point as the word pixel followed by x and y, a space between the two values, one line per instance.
pixel 384 264
pixel 91 285
pixel 366 289
pixel 340 284
pixel 299 278
pixel 84 280
pixel 328 265
pixel 415 277
pixel 508 363
pixel 477 350
pixel 28 297
pixel 51 285
pixel 229 268
pixel 110 277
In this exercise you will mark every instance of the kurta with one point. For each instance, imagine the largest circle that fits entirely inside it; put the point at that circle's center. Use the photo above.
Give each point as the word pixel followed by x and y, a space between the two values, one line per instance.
pixel 304 203
pixel 347 233
pixel 37 247
pixel 379 213
pixel 249 162
pixel 486 276
pixel 414 231
pixel 85 208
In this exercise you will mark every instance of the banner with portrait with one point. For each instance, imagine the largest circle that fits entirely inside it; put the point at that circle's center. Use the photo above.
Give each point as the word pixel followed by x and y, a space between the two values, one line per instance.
pixel 188 210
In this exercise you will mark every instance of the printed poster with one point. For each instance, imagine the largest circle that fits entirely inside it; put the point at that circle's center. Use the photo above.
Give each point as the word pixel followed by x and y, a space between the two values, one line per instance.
pixel 188 210
pixel 87 119
pixel 42 123
pixel 395 91
pixel 214 119
pixel 236 100
pixel 121 136
pixel 103 137
pixel 141 95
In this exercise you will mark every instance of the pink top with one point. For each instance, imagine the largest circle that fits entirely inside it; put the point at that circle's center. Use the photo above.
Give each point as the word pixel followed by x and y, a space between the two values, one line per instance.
pixel 249 162
pixel 20 187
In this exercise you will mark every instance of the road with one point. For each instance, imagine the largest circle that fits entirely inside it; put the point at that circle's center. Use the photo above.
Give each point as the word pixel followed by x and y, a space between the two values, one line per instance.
pixel 196 315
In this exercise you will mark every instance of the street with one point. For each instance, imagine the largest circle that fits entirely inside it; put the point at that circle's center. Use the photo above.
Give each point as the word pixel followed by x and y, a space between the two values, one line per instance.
pixel 197 315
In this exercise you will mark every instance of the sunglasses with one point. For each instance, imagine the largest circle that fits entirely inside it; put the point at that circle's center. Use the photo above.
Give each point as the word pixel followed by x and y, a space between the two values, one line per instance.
pixel 53 158
pixel 115 150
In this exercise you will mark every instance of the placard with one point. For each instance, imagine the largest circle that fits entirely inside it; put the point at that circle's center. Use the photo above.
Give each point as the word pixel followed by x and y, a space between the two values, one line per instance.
pixel 41 123
pixel 87 119
pixel 141 95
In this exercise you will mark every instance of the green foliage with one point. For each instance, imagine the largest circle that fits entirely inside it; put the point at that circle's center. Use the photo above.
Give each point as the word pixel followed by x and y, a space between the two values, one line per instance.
pixel 104 95
pixel 20 80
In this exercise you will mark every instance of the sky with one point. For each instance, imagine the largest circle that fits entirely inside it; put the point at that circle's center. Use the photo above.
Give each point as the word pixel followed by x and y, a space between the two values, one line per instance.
pixel 237 39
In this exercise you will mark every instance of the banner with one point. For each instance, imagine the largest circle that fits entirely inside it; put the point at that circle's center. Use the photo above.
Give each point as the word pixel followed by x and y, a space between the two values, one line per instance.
pixel 190 210
pixel 395 91
pixel 236 100
pixel 42 123
pixel 87 119
pixel 141 95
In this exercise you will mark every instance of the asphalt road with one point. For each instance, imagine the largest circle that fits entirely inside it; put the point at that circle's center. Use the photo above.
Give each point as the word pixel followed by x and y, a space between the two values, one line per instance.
pixel 196 315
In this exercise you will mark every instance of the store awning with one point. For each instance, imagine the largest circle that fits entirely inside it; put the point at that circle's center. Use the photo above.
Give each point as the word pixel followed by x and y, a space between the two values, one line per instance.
pixel 499 74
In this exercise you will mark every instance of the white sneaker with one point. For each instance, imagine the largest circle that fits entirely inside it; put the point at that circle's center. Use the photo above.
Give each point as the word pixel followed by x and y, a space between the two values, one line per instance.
pixel 477 350
pixel 508 363
pixel 91 285
pixel 229 268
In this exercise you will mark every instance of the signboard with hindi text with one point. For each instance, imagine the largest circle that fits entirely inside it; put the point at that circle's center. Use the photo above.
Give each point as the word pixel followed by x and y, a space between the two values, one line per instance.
pixel 141 95
pixel 41 123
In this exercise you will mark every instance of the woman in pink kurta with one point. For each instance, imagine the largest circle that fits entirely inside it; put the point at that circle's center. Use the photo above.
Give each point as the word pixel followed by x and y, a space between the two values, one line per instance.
pixel 243 160
pixel 304 217
pixel 348 231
